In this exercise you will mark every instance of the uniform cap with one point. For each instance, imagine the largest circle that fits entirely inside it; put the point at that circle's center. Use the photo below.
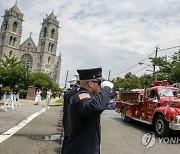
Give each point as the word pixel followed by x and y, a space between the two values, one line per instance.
pixel 94 73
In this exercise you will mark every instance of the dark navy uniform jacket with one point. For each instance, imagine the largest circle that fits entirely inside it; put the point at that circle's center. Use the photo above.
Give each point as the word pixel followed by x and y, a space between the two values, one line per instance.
pixel 65 119
pixel 84 113
pixel 67 96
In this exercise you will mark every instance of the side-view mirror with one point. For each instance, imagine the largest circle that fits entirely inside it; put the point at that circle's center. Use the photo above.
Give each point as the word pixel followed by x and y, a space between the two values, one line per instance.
pixel 155 100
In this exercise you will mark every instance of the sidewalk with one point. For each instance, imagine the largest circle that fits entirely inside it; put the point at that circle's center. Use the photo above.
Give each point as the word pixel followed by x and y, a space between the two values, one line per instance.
pixel 31 102
pixel 24 109
pixel 42 134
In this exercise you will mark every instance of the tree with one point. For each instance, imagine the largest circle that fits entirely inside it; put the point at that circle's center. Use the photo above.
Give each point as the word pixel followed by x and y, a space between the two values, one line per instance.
pixel 12 72
pixel 42 80
pixel 145 80
pixel 168 67
pixel 130 81
pixel 118 83
pixel 175 73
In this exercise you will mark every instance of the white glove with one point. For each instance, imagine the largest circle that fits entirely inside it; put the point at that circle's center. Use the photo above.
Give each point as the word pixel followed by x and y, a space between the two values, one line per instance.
pixel 107 84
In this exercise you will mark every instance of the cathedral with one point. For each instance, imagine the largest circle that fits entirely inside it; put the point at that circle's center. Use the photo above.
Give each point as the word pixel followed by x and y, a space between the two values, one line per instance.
pixel 40 58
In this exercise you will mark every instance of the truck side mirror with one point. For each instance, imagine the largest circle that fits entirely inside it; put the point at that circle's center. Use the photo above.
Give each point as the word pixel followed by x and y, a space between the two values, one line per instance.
pixel 155 100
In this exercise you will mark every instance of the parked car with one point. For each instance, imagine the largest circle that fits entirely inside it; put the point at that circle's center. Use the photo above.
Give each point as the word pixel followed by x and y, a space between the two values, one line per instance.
pixel 111 105
pixel 176 85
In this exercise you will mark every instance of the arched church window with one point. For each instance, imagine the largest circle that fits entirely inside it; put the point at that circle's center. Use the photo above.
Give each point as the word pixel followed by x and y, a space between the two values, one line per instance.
pixel 49 46
pixel 45 32
pixel 14 28
pixel 52 46
pixel 5 26
pixel 42 46
pixel 14 41
pixel 52 33
pixel 27 58
pixel 49 59
pixel 10 40
pixel 40 59
pixel 10 53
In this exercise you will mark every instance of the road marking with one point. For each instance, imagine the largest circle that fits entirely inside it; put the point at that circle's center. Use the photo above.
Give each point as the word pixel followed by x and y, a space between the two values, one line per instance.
pixel 23 123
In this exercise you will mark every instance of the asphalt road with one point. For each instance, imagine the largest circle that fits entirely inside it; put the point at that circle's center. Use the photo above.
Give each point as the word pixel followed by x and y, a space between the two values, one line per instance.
pixel 125 138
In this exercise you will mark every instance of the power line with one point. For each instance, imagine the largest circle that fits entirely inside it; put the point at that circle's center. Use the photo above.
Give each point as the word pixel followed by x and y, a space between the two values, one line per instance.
pixel 141 69
pixel 169 48
pixel 143 60
pixel 134 65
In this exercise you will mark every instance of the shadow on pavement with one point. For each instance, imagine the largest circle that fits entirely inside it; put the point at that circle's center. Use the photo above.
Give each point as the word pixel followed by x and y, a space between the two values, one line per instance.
pixel 135 124
pixel 145 128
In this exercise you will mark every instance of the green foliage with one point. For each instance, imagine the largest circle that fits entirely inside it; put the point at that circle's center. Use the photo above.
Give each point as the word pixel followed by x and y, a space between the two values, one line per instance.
pixel 43 80
pixel 23 93
pixel 145 80
pixel 13 72
pixel 175 73
pixel 168 68
pixel 130 81
pixel 7 89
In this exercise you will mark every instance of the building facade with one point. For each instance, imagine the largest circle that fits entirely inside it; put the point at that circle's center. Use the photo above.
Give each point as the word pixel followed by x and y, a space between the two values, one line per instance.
pixel 41 58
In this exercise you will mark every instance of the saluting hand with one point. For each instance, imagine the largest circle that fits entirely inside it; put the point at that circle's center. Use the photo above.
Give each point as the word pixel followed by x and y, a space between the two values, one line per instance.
pixel 107 84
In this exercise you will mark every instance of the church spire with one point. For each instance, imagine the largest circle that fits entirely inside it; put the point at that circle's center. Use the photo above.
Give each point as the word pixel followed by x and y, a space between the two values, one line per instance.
pixel 15 8
pixel 52 16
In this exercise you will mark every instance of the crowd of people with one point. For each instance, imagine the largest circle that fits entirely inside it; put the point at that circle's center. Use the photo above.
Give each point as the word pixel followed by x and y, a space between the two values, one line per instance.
pixel 13 95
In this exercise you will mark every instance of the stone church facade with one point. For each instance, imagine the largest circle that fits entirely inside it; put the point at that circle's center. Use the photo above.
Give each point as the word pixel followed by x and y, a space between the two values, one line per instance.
pixel 40 58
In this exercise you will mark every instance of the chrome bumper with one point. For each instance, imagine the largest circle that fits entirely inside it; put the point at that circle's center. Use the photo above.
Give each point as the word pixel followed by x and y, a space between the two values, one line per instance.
pixel 174 126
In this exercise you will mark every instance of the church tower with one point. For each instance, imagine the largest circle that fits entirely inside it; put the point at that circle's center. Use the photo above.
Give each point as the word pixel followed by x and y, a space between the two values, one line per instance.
pixel 10 33
pixel 48 37
pixel 47 45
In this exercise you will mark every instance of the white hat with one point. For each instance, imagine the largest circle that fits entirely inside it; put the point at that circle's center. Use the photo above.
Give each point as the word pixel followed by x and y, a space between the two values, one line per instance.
pixel 72 81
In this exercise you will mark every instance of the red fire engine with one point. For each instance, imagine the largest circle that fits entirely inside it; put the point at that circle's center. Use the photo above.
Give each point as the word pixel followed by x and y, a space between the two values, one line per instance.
pixel 159 106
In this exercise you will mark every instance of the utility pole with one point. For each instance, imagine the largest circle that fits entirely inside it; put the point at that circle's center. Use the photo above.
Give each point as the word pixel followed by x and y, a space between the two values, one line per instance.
pixel 154 65
pixel 109 75
pixel 66 80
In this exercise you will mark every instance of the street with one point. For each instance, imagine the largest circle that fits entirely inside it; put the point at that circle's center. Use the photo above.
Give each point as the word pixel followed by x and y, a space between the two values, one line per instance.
pixel 125 138
pixel 43 133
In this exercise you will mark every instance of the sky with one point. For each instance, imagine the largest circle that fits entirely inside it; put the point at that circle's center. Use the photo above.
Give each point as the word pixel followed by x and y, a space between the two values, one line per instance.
pixel 113 34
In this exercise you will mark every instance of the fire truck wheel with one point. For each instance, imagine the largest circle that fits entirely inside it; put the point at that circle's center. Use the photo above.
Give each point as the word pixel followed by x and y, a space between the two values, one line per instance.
pixel 161 126
pixel 123 115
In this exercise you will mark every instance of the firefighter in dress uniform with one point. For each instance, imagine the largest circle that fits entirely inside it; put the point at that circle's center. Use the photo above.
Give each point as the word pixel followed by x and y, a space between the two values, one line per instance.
pixel 65 119
pixel 84 110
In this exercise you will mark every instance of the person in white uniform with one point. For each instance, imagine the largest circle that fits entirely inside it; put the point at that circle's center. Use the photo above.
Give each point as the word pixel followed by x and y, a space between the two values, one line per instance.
pixel 48 97
pixel 38 97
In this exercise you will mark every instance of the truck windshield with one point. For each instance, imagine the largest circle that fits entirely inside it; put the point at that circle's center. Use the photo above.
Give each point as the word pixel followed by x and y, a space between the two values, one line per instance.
pixel 166 92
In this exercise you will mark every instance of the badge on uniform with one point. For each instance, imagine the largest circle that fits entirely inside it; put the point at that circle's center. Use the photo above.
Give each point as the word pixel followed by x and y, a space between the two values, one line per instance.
pixel 84 95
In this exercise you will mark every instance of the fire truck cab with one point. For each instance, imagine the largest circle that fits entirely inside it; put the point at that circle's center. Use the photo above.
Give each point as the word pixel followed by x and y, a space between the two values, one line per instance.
pixel 159 105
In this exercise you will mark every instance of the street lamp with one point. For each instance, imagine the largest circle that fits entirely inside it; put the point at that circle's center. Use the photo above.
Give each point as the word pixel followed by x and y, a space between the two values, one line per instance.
pixel 141 63
pixel 27 70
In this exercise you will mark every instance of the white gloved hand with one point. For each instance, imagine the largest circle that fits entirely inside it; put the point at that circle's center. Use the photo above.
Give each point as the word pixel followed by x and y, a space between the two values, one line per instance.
pixel 107 84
